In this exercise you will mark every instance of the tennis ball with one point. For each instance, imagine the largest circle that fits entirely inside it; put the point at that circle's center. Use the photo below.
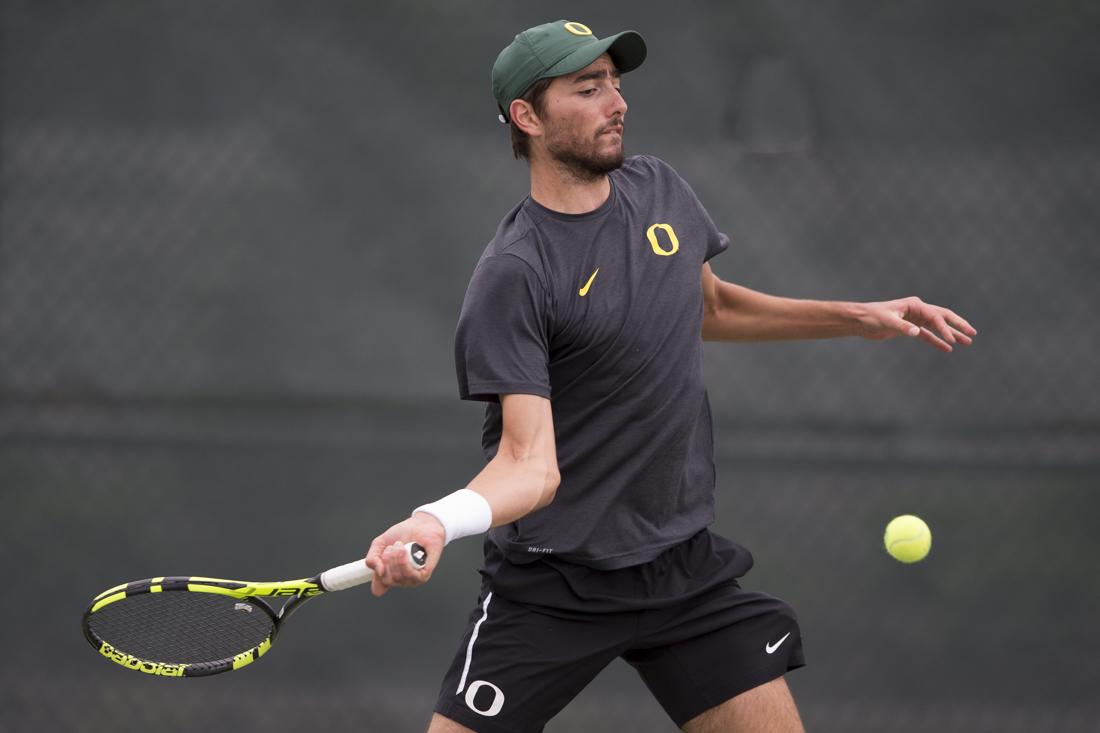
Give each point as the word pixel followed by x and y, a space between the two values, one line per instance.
pixel 908 538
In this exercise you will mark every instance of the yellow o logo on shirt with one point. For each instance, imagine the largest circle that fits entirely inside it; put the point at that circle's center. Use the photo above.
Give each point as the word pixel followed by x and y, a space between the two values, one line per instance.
pixel 578 29
pixel 651 234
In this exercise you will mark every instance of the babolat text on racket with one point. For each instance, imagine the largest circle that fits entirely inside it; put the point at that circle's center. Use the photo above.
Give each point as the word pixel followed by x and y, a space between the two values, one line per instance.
pixel 195 626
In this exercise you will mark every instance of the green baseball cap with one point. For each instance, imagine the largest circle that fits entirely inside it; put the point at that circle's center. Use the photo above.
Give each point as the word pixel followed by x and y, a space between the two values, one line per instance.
pixel 555 49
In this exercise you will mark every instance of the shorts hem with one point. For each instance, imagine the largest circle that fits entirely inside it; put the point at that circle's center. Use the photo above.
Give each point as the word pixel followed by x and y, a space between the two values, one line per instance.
pixel 481 724
pixel 712 697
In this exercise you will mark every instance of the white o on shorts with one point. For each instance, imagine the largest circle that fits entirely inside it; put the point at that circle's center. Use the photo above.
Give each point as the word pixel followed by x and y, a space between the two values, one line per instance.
pixel 498 698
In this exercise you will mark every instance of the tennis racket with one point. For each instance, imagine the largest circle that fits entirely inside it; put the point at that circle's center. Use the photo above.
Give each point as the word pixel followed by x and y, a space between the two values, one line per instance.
pixel 194 626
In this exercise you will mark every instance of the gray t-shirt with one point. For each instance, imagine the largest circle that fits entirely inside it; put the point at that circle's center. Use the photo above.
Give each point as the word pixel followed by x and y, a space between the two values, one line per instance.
pixel 602 313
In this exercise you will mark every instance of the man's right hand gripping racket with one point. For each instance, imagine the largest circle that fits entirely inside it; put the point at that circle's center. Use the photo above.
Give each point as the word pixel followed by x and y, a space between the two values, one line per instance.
pixel 195 626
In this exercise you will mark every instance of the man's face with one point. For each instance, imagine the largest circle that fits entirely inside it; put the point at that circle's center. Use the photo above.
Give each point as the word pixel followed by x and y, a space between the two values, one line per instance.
pixel 583 117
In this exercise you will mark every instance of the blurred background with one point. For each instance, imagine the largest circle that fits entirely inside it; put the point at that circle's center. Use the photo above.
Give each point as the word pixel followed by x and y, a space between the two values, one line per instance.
pixel 236 236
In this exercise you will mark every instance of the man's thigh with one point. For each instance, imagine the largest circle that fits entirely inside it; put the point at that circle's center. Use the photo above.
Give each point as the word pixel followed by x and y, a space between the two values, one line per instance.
pixel 517 667
pixel 768 708
pixel 439 724
pixel 714 648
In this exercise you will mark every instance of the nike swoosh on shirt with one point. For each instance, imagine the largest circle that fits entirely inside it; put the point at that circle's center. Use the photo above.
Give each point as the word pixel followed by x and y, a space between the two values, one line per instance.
pixel 770 648
pixel 584 291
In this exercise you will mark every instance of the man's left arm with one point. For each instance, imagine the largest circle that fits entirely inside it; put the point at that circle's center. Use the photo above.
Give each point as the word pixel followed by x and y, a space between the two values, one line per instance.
pixel 736 313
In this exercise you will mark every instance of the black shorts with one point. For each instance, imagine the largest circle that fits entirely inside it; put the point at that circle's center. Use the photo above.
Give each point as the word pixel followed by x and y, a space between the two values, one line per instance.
pixel 520 664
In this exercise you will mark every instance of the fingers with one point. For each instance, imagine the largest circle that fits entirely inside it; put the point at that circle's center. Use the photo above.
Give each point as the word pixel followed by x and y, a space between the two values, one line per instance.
pixel 928 337
pixel 904 327
pixel 378 584
pixel 953 329
pixel 962 338
pixel 940 327
pixel 960 324
pixel 392 567
pixel 945 332
pixel 389 557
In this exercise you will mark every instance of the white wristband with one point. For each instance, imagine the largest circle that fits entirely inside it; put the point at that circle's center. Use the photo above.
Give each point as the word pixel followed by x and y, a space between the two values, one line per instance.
pixel 462 514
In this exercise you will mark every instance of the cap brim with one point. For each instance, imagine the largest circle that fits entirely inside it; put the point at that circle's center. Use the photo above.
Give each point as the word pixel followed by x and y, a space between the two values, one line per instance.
pixel 627 51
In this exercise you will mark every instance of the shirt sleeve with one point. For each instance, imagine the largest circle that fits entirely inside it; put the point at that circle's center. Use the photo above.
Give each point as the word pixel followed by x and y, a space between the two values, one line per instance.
pixel 501 344
pixel 717 241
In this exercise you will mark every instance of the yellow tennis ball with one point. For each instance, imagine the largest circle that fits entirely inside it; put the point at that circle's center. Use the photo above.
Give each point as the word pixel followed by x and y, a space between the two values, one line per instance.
pixel 908 538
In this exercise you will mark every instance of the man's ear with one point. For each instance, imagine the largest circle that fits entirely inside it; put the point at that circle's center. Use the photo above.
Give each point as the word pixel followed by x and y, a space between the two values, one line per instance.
pixel 523 116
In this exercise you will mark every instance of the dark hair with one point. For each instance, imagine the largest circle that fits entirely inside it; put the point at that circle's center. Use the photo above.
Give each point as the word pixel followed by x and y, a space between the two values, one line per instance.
pixel 533 96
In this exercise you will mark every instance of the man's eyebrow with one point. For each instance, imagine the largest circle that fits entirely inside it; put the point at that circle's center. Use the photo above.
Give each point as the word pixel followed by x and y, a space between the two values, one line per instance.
pixel 592 75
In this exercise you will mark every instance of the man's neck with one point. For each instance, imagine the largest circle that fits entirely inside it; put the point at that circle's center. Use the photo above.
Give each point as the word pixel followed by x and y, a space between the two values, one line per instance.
pixel 558 188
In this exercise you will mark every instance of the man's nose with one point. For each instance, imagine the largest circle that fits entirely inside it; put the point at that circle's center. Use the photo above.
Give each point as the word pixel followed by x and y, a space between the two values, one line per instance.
pixel 618 104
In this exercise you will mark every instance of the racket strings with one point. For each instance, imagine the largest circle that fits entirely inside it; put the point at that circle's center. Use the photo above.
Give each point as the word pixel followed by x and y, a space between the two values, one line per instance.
pixel 181 627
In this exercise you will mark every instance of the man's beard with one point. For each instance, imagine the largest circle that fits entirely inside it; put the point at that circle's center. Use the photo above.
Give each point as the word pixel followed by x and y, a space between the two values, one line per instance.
pixel 581 158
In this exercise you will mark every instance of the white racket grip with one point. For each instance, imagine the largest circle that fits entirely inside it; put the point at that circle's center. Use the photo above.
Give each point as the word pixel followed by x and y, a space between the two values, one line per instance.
pixel 356 572
pixel 347 576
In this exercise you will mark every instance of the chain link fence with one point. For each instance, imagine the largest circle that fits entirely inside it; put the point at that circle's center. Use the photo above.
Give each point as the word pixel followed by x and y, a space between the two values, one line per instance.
pixel 234 239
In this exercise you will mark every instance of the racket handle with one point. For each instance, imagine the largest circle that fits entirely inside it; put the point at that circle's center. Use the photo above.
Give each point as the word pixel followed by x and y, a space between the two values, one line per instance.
pixel 356 573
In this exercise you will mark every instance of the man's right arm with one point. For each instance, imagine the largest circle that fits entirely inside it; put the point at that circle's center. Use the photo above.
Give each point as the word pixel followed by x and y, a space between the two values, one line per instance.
pixel 521 477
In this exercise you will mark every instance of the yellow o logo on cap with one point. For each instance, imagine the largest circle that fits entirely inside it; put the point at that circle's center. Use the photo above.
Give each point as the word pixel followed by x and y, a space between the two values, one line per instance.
pixel 578 29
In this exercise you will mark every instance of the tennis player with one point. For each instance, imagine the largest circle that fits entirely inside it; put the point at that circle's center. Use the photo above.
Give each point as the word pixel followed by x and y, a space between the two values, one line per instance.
pixel 582 330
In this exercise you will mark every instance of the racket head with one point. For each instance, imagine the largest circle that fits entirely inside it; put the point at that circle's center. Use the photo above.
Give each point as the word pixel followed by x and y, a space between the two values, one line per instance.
pixel 188 626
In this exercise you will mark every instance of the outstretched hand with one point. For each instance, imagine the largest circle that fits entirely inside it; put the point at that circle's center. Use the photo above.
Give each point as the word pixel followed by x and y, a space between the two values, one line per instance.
pixel 933 324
